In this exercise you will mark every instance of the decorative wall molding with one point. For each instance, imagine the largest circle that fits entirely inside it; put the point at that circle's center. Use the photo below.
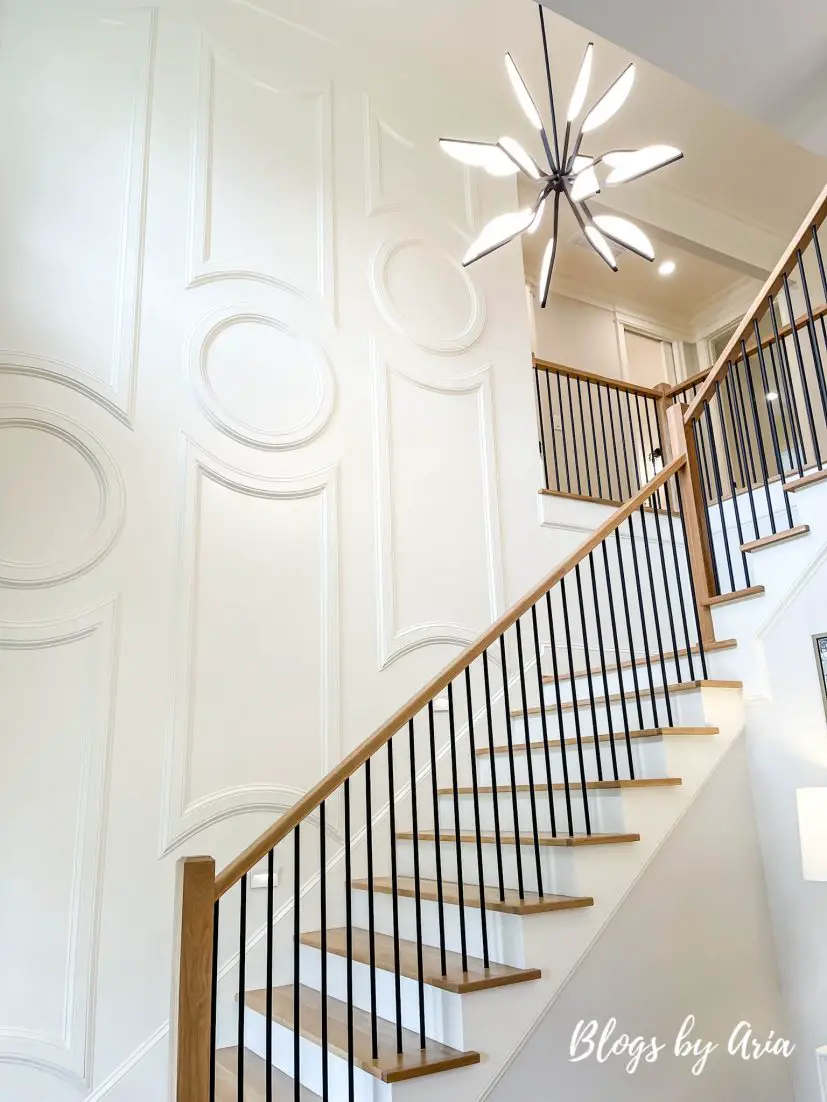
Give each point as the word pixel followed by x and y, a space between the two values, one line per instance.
pixel 256 436
pixel 185 816
pixel 77 560
pixel 206 268
pixel 447 344
pixel 379 137
pixel 70 1054
pixel 396 640
pixel 117 394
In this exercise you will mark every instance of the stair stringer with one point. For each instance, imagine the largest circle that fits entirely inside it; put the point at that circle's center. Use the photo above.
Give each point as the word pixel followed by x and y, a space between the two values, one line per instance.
pixel 498 1023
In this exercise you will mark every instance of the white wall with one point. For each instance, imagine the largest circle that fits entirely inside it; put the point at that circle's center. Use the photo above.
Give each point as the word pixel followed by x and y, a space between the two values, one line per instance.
pixel 788 749
pixel 705 892
pixel 268 460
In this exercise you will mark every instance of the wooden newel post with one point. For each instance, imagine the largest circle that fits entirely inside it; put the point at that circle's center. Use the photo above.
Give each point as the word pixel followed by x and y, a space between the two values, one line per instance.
pixel 192 1006
pixel 682 442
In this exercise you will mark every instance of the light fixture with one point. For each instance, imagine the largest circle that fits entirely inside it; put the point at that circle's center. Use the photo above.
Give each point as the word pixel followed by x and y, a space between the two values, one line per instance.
pixel 568 174
pixel 772 396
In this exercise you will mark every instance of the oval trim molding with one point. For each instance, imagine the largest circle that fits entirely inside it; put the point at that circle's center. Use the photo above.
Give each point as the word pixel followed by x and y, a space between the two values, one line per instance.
pixel 86 553
pixel 449 345
pixel 218 321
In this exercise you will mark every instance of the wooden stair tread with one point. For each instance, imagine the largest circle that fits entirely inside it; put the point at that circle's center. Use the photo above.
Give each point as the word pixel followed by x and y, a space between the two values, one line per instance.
pixel 618 736
pixel 531 902
pixel 729 598
pixel 802 482
pixel 507 839
pixel 637 782
pixel 776 537
pixel 390 1067
pixel 255 1079
pixel 723 644
pixel 599 701
pixel 581 497
pixel 476 978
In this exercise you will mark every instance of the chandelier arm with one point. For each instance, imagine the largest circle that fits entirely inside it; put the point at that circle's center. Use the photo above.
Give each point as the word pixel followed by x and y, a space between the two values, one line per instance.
pixel 582 224
pixel 545 290
pixel 552 162
pixel 611 237
pixel 556 161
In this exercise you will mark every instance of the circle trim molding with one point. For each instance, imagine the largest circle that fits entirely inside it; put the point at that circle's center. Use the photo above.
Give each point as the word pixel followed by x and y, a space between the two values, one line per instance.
pixel 86 553
pixel 452 343
pixel 294 436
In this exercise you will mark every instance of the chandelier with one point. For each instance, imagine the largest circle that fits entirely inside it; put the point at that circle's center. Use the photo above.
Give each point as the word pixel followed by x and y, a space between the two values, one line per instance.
pixel 568 173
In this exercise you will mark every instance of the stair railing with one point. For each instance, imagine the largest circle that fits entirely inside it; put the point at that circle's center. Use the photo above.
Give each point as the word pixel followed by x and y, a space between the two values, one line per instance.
pixel 755 427
pixel 543 708
pixel 600 438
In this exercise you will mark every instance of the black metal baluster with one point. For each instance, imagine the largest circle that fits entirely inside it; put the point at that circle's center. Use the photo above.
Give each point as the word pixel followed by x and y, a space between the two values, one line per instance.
pixel 553 432
pixel 574 436
pixel 604 672
pixel 542 426
pixel 575 709
pixel 477 830
pixel 697 431
pixel 762 366
pixel 397 971
pixel 586 456
pixel 741 410
pixel 214 997
pixel 636 447
pixel 650 574
pixel 594 440
pixel 297 1033
pixel 802 373
pixel 493 760
pixel 349 945
pixel 605 442
pixel 512 774
pixel 590 684
pixel 642 611
pixel 780 390
pixel 564 442
pixel 242 980
pixel 529 764
pixel 818 366
pixel 541 693
pixel 323 910
pixel 678 585
pixel 716 470
pixel 628 619
pixel 701 648
pixel 374 1025
pixel 268 1011
pixel 742 472
pixel 457 833
pixel 700 446
pixel 438 849
pixel 788 389
pixel 727 456
pixel 622 495
pixel 759 436
pixel 619 661
pixel 420 966
pixel 560 720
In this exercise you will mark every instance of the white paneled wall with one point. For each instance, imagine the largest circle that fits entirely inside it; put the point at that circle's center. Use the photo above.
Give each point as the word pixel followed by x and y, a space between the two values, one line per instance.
pixel 268 458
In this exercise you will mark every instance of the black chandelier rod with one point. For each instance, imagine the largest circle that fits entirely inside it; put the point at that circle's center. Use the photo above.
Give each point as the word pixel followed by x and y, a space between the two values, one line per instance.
pixel 557 165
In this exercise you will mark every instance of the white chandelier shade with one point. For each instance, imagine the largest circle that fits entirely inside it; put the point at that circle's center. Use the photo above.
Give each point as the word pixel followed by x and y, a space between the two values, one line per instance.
pixel 565 173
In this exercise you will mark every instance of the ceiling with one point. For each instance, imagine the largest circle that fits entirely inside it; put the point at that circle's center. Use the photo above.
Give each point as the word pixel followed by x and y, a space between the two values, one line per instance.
pixel 763 58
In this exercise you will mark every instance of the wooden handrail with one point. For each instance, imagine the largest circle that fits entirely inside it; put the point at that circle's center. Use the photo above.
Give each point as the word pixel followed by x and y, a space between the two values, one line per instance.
pixel 233 872
pixel 593 377
pixel 783 268
pixel 784 332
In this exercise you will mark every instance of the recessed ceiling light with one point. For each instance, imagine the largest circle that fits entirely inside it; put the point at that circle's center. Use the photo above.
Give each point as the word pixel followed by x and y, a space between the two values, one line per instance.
pixel 666 268
pixel 772 396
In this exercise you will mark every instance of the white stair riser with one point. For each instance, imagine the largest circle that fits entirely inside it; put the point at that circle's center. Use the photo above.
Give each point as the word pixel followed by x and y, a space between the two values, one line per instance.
pixel 623 680
pixel 557 865
pixel 647 760
pixel 605 810
pixel 366 1087
pixel 443 1009
pixel 685 708
pixel 505 931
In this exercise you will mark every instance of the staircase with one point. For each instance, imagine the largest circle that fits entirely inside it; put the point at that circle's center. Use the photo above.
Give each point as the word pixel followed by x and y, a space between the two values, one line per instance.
pixel 403 927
